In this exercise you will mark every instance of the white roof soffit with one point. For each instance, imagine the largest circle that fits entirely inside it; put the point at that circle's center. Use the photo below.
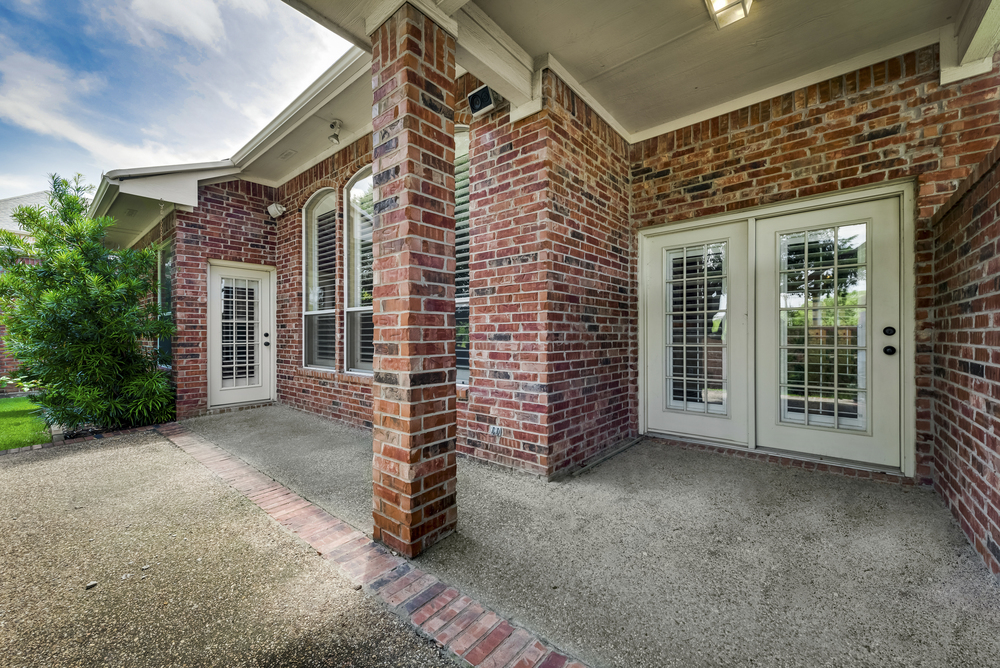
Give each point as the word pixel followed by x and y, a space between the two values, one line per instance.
pixel 650 66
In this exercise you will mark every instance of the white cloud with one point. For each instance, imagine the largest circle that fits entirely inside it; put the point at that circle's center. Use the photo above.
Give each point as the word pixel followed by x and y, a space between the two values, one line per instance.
pixel 194 21
pixel 41 96
pixel 249 60
pixel 19 183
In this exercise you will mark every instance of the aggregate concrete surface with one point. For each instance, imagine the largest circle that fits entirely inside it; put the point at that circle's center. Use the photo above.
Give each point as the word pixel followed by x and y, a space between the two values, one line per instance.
pixel 663 556
pixel 188 571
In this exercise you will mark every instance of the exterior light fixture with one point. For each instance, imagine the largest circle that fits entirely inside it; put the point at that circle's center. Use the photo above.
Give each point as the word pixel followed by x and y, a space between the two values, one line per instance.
pixel 724 12
pixel 275 210
pixel 335 126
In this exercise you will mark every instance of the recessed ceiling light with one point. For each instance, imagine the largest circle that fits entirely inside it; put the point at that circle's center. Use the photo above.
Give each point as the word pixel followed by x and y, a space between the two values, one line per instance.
pixel 724 12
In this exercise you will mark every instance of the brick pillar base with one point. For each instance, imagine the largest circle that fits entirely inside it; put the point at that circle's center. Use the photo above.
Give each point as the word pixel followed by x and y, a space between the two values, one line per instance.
pixel 413 75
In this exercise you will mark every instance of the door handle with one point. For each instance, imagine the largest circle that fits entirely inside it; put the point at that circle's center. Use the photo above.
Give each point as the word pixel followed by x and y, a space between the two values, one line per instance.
pixel 267 343
pixel 888 350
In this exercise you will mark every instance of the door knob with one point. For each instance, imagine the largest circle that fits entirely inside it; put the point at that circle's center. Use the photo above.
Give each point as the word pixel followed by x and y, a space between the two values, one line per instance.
pixel 267 343
pixel 888 350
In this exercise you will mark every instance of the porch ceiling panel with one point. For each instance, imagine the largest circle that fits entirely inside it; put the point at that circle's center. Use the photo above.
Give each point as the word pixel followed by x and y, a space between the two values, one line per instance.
pixel 307 143
pixel 649 63
pixel 656 62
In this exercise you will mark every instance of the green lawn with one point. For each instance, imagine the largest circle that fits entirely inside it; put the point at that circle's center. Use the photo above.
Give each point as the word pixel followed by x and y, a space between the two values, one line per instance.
pixel 19 425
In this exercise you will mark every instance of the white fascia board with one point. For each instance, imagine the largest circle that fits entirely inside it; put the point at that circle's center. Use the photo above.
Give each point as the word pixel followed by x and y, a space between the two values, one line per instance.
pixel 488 52
pixel 106 194
pixel 449 7
pixel 304 8
pixel 899 48
pixel 952 69
pixel 177 188
pixel 348 68
pixel 145 172
pixel 978 31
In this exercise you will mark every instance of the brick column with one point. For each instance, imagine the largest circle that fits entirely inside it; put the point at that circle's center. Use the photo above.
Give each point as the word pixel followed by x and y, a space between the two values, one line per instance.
pixel 413 77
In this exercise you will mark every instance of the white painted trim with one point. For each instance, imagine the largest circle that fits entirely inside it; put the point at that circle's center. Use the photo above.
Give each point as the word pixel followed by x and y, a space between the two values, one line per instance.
pixel 952 69
pixel 303 239
pixel 532 106
pixel 643 416
pixel 449 7
pixel 168 209
pixel 161 170
pixel 908 325
pixel 349 68
pixel 384 9
pixel 844 67
pixel 272 274
pixel 493 56
pixel 904 191
pixel 241 265
pixel 751 325
pixel 978 31
pixel 549 61
pixel 304 8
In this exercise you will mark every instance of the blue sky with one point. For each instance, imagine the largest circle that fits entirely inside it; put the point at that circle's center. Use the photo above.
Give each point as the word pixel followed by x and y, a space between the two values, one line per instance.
pixel 94 85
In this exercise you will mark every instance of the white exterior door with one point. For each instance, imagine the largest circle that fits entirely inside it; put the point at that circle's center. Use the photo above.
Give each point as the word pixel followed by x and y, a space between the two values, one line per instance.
pixel 240 333
pixel 820 372
pixel 696 306
pixel 828 332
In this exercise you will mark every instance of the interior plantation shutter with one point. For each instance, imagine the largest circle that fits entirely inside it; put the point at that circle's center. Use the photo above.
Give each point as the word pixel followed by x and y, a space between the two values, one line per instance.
pixel 462 226
pixel 322 339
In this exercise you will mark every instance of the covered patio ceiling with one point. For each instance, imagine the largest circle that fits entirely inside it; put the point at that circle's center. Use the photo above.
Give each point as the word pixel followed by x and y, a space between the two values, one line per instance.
pixel 650 66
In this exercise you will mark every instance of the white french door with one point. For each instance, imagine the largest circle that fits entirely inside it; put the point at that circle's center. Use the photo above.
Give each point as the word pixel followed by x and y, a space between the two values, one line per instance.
pixel 819 374
pixel 828 324
pixel 240 334
pixel 696 305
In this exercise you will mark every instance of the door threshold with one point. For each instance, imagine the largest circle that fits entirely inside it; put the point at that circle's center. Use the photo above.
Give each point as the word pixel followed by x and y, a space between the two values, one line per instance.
pixel 787 454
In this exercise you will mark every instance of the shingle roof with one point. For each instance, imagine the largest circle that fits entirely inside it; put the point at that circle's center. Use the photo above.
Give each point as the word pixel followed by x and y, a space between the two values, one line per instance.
pixel 8 205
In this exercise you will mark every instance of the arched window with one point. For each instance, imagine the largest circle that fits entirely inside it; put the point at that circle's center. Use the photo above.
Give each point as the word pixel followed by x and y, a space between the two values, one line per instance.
pixel 321 279
pixel 358 209
pixel 462 252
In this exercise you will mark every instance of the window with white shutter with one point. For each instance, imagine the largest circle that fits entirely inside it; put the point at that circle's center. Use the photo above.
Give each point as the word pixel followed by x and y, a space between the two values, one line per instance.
pixel 321 280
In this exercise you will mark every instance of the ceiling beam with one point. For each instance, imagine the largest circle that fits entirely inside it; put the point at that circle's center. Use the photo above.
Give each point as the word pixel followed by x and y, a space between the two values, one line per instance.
pixel 493 56
pixel 449 7
pixel 978 31
pixel 383 10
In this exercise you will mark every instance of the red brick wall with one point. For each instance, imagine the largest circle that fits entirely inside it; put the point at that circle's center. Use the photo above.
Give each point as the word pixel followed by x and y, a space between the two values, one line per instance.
pixel 551 298
pixel 332 394
pixel 966 317
pixel 891 120
pixel 229 223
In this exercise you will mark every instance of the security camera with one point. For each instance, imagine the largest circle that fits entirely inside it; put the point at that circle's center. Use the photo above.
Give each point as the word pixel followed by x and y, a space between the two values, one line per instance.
pixel 483 100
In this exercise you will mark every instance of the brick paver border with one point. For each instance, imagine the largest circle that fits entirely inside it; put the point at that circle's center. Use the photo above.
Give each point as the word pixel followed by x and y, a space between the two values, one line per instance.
pixel 461 625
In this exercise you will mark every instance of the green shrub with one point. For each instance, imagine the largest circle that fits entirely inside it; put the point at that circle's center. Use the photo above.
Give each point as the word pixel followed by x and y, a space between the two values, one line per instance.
pixel 81 318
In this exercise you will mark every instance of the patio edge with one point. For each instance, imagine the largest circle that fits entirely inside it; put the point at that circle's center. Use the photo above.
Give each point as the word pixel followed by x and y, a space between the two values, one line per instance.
pixel 457 623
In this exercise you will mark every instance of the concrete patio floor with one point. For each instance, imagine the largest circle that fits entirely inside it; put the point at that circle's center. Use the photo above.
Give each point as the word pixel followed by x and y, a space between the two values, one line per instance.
pixel 669 557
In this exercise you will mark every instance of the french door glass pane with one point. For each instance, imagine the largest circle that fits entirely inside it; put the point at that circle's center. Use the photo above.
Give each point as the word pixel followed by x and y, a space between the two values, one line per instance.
pixel 240 332
pixel 822 336
pixel 696 294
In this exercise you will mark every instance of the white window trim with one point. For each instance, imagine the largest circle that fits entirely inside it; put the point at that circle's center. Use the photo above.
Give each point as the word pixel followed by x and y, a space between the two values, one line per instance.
pixel 346 199
pixel 304 213
pixel 904 189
